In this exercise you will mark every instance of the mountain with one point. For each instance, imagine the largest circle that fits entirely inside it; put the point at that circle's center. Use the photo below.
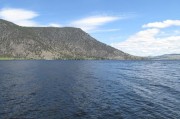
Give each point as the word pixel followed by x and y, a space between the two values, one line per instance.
pixel 53 43
pixel 166 57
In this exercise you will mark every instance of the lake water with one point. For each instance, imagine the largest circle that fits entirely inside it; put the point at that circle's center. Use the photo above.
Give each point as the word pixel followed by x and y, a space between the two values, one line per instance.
pixel 90 89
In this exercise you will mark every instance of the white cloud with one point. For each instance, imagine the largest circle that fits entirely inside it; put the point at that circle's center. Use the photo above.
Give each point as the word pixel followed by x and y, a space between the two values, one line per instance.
pixel 164 24
pixel 104 30
pixel 25 17
pixel 55 25
pixel 19 16
pixel 147 42
pixel 93 22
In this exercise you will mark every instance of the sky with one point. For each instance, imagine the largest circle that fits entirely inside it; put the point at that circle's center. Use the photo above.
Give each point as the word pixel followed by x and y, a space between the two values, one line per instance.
pixel 138 27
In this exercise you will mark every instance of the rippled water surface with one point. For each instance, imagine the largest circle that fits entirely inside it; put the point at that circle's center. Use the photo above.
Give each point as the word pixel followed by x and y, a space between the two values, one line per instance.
pixel 90 89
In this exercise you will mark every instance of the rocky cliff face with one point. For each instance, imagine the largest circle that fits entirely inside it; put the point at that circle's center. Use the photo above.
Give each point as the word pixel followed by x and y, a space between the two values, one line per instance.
pixel 53 43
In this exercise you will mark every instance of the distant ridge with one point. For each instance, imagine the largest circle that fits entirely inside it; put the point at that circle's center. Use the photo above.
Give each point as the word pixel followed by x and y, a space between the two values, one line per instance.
pixel 167 57
pixel 53 43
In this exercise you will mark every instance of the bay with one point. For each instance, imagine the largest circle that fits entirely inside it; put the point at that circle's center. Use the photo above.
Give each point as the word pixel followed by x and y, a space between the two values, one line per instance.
pixel 85 89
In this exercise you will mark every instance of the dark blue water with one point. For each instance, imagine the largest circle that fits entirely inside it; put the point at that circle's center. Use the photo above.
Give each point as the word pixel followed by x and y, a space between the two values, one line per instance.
pixel 90 89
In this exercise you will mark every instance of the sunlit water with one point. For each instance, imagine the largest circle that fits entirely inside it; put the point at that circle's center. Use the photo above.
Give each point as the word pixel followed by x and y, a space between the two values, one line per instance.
pixel 90 89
